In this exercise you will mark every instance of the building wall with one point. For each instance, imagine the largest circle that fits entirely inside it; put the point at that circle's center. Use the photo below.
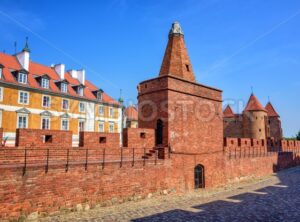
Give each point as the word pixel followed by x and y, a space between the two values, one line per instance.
pixel 233 127
pixel 275 128
pixel 9 106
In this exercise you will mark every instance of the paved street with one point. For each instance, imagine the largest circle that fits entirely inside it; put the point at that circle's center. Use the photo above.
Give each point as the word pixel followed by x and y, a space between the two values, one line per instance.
pixel 274 198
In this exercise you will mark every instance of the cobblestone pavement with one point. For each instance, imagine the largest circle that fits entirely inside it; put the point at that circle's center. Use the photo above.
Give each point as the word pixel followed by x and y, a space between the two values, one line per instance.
pixel 274 198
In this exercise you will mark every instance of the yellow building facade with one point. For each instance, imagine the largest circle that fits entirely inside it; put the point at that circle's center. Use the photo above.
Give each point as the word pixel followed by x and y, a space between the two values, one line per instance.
pixel 40 97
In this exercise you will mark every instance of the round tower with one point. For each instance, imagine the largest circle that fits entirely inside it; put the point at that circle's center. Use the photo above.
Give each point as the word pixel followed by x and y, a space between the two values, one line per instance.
pixel 255 119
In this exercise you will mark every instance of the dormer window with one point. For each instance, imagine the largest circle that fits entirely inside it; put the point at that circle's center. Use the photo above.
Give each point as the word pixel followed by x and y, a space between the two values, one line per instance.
pixel 64 87
pixel 99 95
pixel 45 83
pixel 22 78
pixel 80 91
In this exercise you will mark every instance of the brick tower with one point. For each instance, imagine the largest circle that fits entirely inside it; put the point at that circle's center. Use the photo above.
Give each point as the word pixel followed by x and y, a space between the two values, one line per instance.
pixel 255 120
pixel 185 114
pixel 274 122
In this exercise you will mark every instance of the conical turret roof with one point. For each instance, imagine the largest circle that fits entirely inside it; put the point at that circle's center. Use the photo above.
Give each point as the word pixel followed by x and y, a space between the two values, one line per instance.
pixel 271 111
pixel 176 61
pixel 228 113
pixel 254 104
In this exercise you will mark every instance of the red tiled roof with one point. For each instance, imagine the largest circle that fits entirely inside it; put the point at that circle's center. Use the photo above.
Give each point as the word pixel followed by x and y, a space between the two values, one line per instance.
pixel 11 63
pixel 254 105
pixel 271 111
pixel 228 113
pixel 131 113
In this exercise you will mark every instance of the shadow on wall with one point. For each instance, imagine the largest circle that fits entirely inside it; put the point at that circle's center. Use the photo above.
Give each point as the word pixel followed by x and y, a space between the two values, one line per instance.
pixel 278 202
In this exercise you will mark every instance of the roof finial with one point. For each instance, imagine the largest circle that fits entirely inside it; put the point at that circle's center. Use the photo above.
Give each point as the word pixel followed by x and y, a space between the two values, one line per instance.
pixel 120 98
pixel 269 99
pixel 175 29
pixel 26 48
pixel 252 90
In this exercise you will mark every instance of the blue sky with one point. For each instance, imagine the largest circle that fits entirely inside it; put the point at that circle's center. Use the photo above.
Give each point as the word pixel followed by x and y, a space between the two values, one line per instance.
pixel 233 44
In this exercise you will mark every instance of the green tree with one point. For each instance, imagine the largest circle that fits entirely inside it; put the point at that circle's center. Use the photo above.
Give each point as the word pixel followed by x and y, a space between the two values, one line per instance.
pixel 298 135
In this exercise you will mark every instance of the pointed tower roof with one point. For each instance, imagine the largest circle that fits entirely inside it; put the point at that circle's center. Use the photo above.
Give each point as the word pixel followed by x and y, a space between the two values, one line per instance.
pixel 271 111
pixel 254 105
pixel 228 113
pixel 176 61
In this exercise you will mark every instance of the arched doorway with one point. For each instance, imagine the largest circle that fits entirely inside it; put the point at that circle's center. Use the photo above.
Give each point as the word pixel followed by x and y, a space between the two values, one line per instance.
pixel 159 132
pixel 199 176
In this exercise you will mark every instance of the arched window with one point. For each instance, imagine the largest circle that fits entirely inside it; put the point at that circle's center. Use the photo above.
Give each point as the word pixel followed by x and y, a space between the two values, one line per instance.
pixel 159 132
pixel 199 177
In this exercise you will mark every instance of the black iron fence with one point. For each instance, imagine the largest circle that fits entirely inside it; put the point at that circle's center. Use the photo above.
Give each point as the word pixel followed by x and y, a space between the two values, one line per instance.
pixel 29 157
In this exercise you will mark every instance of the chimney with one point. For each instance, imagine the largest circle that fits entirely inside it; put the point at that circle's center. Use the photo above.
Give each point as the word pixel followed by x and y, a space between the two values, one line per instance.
pixel 81 76
pixel 60 69
pixel 24 56
pixel 73 73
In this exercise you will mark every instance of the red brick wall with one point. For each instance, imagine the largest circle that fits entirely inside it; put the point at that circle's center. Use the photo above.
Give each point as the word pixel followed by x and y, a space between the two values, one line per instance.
pixel 275 128
pixel 97 184
pixel 37 191
pixel 138 138
pixel 191 113
pixel 93 140
pixel 233 127
pixel 36 138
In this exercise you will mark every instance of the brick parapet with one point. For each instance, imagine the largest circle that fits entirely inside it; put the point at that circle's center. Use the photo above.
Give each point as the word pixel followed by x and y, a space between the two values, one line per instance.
pixel 37 138
pixel 93 140
pixel 139 137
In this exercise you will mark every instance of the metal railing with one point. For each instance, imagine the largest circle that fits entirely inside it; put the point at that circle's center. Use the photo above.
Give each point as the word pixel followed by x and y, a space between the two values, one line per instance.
pixel 249 152
pixel 29 157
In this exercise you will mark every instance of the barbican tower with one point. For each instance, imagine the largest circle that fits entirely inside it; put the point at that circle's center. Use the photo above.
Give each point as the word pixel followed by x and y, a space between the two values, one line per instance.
pixel 186 115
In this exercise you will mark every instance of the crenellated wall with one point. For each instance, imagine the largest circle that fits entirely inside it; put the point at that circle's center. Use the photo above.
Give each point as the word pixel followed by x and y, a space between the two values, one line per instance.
pixel 92 140
pixel 138 137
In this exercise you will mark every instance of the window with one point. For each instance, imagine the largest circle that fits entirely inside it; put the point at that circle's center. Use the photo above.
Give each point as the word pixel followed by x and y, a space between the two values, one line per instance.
pixel 22 78
pixel 1 71
pixel 80 91
pixel 22 121
pixel 102 139
pixel 65 104
pixel 101 127
pixel 45 83
pixel 111 112
pixel 46 101
pixel 81 107
pixel 101 110
pixel 81 125
pixel 187 67
pixel 1 94
pixel 63 87
pixel 99 95
pixel 111 127
pixel 45 123
pixel 23 97
pixel 64 124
